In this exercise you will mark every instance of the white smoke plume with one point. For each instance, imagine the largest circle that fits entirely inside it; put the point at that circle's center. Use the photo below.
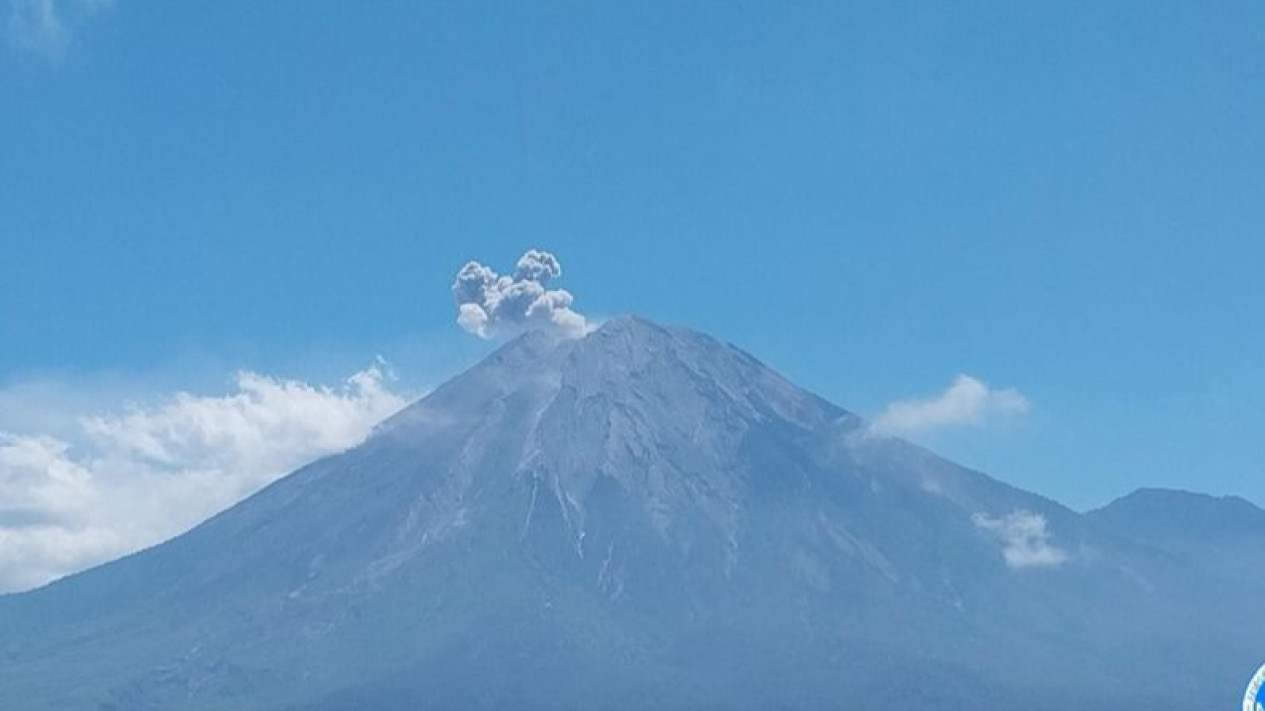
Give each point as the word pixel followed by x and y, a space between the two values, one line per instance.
pixel 47 27
pixel 967 401
pixel 490 304
pixel 1025 539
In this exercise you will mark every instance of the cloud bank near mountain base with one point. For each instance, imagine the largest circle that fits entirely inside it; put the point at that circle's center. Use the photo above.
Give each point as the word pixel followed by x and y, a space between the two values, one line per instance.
pixel 112 484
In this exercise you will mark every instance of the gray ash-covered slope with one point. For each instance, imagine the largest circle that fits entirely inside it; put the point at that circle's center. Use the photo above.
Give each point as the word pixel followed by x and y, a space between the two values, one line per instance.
pixel 644 518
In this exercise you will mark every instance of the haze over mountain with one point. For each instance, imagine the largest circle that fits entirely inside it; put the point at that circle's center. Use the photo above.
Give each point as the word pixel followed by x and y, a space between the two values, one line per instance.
pixel 645 517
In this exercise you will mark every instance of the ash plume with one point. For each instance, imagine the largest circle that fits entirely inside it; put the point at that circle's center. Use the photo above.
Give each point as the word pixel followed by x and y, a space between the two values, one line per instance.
pixel 491 304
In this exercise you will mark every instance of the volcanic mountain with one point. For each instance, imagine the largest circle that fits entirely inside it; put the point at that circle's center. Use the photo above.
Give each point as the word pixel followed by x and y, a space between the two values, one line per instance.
pixel 647 518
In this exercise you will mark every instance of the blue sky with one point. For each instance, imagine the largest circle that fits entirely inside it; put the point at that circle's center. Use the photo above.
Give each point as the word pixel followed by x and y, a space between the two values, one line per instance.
pixel 1064 199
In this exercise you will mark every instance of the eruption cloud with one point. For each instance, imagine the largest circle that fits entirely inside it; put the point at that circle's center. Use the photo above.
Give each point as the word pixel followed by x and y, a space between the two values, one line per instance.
pixel 490 304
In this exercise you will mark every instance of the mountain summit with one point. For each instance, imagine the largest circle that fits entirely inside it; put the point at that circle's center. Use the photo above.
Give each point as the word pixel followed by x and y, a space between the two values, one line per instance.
pixel 644 518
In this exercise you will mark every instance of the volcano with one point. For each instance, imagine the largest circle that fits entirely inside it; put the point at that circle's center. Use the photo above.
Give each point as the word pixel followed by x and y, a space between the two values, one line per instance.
pixel 648 518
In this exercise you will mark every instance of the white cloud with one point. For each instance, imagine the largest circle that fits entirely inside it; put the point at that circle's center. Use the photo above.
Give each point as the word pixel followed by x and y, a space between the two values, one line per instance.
pixel 46 26
pixel 1025 539
pixel 966 402
pixel 490 304
pixel 117 483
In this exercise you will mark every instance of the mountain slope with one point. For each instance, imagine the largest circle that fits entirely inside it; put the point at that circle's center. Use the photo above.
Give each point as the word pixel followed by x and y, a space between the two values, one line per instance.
pixel 1164 516
pixel 1221 537
pixel 642 518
